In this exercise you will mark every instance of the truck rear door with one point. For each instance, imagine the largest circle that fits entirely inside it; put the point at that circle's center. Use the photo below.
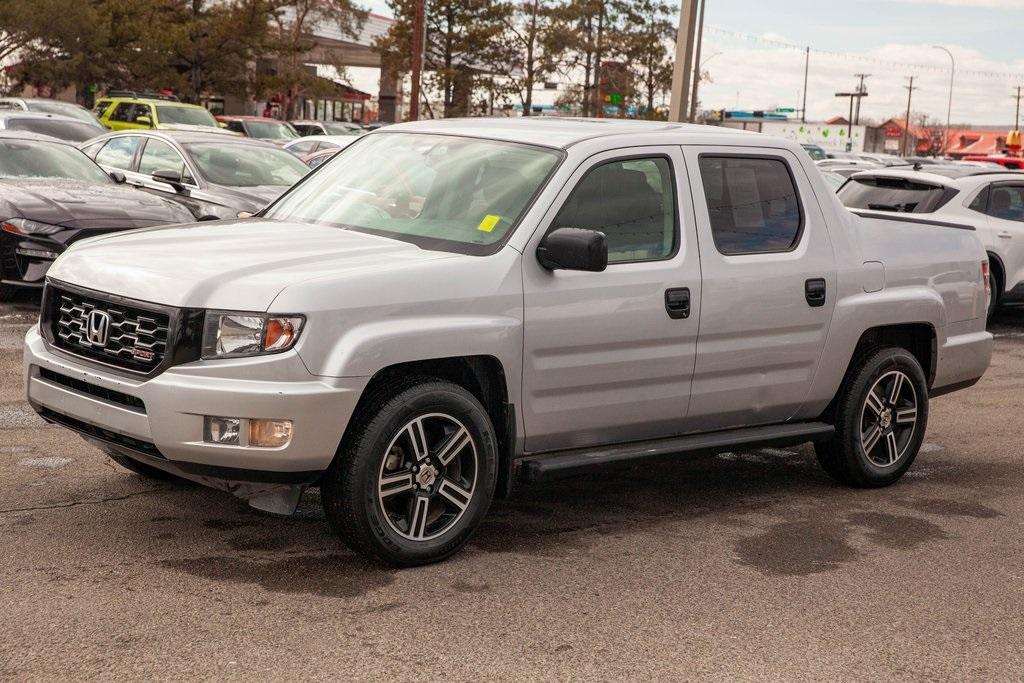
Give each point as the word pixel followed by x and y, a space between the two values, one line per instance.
pixel 768 285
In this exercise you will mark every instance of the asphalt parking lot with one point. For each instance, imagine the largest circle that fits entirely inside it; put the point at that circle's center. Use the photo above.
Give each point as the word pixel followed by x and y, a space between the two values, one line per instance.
pixel 741 566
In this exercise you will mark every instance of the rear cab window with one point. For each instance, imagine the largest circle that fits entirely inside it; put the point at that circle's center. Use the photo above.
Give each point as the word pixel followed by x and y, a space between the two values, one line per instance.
pixel 900 195
pixel 753 204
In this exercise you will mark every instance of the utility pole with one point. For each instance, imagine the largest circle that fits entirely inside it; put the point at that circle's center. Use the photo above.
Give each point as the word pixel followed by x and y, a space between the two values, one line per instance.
pixel 418 30
pixel 807 69
pixel 684 61
pixel 1016 125
pixel 906 129
pixel 860 89
pixel 696 64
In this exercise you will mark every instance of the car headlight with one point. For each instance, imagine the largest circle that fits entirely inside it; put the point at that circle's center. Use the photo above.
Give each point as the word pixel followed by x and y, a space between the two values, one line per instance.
pixel 230 334
pixel 23 226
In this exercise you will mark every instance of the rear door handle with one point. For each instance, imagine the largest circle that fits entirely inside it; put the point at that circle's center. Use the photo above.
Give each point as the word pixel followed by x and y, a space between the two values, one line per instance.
pixel 677 302
pixel 814 292
pixel 1006 233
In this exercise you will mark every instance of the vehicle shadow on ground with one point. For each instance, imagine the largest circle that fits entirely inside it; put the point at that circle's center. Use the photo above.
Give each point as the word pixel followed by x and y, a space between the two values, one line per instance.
pixel 783 515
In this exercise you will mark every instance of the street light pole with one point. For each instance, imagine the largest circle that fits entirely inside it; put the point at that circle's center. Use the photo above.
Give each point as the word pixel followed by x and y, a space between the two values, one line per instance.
pixel 949 107
pixel 417 60
pixel 696 63
pixel 684 61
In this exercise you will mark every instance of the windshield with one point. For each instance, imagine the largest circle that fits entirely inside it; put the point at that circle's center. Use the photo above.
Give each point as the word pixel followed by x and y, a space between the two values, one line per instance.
pixel 434 190
pixel 193 116
pixel 31 159
pixel 72 131
pixel 270 130
pixel 62 108
pixel 246 165
pixel 342 128
pixel 893 194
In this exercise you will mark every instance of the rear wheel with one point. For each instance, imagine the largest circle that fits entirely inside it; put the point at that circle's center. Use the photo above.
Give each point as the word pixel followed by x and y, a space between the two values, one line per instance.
pixel 6 293
pixel 415 475
pixel 880 420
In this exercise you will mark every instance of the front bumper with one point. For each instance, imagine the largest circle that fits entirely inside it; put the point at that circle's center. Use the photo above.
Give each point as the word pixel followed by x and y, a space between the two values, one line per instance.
pixel 24 260
pixel 166 429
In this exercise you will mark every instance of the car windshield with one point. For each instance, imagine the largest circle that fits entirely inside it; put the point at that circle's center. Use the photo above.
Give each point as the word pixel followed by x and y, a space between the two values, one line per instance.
pixel 246 165
pixel 192 116
pixel 342 128
pixel 62 108
pixel 270 130
pixel 892 194
pixel 443 192
pixel 37 159
pixel 72 131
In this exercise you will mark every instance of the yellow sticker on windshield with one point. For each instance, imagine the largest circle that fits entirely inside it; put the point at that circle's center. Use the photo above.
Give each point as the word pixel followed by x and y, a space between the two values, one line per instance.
pixel 489 222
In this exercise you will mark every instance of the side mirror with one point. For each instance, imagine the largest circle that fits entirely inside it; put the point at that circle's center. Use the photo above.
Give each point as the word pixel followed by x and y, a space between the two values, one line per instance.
pixel 118 177
pixel 144 121
pixel 172 178
pixel 574 249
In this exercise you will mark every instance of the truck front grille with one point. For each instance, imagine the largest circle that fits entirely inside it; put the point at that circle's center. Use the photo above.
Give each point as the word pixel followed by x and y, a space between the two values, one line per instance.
pixel 139 337
pixel 131 338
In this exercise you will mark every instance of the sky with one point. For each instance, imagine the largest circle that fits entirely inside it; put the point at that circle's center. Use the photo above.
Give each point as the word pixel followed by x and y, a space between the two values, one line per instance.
pixel 745 53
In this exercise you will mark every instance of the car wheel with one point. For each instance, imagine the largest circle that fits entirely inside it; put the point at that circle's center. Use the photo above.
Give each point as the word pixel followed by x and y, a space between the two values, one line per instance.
pixel 993 301
pixel 142 469
pixel 880 419
pixel 6 293
pixel 415 474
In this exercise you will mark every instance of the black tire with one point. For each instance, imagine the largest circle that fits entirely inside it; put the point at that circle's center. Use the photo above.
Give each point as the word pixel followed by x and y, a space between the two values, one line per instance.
pixel 142 469
pixel 844 456
pixel 996 288
pixel 7 293
pixel 378 448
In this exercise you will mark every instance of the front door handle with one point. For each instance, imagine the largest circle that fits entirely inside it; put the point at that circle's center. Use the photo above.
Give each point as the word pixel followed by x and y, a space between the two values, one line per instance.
pixel 1006 234
pixel 814 292
pixel 677 302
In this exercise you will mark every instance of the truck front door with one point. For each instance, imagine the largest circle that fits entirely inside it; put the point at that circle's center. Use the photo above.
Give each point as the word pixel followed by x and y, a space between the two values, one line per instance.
pixel 769 285
pixel 608 356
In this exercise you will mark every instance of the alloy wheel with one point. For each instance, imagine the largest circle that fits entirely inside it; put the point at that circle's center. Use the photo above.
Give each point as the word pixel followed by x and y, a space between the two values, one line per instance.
pixel 888 418
pixel 428 476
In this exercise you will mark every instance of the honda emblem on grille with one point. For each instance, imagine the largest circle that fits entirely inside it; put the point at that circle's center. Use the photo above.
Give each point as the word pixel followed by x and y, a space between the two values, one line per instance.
pixel 97 328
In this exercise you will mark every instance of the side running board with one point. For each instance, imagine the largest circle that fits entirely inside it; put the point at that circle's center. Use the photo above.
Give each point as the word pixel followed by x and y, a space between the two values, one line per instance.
pixel 558 464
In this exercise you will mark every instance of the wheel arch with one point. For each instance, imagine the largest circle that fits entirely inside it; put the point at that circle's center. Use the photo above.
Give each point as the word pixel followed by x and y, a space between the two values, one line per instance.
pixel 999 270
pixel 917 338
pixel 481 375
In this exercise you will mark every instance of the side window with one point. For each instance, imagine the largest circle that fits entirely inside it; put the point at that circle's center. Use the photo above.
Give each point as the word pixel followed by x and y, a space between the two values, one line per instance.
pixel 90 150
pixel 305 147
pixel 236 126
pixel 980 203
pixel 159 156
pixel 141 110
pixel 632 202
pixel 119 152
pixel 122 112
pixel 1006 202
pixel 752 203
pixel 100 107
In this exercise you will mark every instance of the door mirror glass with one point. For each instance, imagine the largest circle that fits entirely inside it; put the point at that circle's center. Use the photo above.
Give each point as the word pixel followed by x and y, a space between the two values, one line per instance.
pixel 172 178
pixel 574 249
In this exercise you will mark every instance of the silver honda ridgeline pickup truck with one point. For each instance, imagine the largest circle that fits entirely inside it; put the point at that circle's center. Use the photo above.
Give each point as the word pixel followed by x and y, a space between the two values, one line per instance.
pixel 448 310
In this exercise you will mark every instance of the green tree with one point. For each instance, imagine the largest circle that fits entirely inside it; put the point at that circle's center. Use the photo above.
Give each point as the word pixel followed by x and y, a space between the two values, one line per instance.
pixel 648 35
pixel 292 44
pixel 536 37
pixel 596 38
pixel 462 46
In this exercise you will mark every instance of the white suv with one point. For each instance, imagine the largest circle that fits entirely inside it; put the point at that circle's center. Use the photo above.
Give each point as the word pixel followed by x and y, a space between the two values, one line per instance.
pixel 992 202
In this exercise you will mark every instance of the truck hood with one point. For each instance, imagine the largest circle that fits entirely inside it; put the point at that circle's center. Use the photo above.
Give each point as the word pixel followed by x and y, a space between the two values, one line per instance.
pixel 235 265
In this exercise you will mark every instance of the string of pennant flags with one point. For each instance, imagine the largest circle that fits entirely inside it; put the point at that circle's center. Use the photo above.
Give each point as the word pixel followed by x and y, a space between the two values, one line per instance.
pixel 770 42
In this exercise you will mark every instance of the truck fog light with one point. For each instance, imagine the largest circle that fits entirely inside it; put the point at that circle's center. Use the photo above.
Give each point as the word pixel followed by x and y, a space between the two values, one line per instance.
pixel 223 430
pixel 270 433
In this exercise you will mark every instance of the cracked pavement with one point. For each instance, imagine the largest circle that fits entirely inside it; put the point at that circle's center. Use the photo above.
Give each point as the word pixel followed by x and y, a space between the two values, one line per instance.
pixel 743 566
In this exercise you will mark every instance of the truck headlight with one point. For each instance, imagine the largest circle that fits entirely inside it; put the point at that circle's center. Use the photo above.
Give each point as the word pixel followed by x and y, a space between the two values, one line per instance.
pixel 229 334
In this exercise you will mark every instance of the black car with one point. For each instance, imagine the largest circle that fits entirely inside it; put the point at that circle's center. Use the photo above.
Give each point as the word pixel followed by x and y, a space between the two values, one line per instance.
pixel 62 127
pixel 212 174
pixel 52 195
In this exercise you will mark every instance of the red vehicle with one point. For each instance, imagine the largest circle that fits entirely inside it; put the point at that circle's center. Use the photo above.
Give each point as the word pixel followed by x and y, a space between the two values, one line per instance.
pixel 261 128
pixel 1013 163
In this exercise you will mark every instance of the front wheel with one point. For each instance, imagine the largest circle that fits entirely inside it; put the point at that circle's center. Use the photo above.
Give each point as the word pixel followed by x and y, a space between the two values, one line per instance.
pixel 880 419
pixel 415 475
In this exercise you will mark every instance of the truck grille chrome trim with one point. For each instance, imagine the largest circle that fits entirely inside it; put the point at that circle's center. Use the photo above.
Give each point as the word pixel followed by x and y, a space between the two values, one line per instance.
pixel 134 336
